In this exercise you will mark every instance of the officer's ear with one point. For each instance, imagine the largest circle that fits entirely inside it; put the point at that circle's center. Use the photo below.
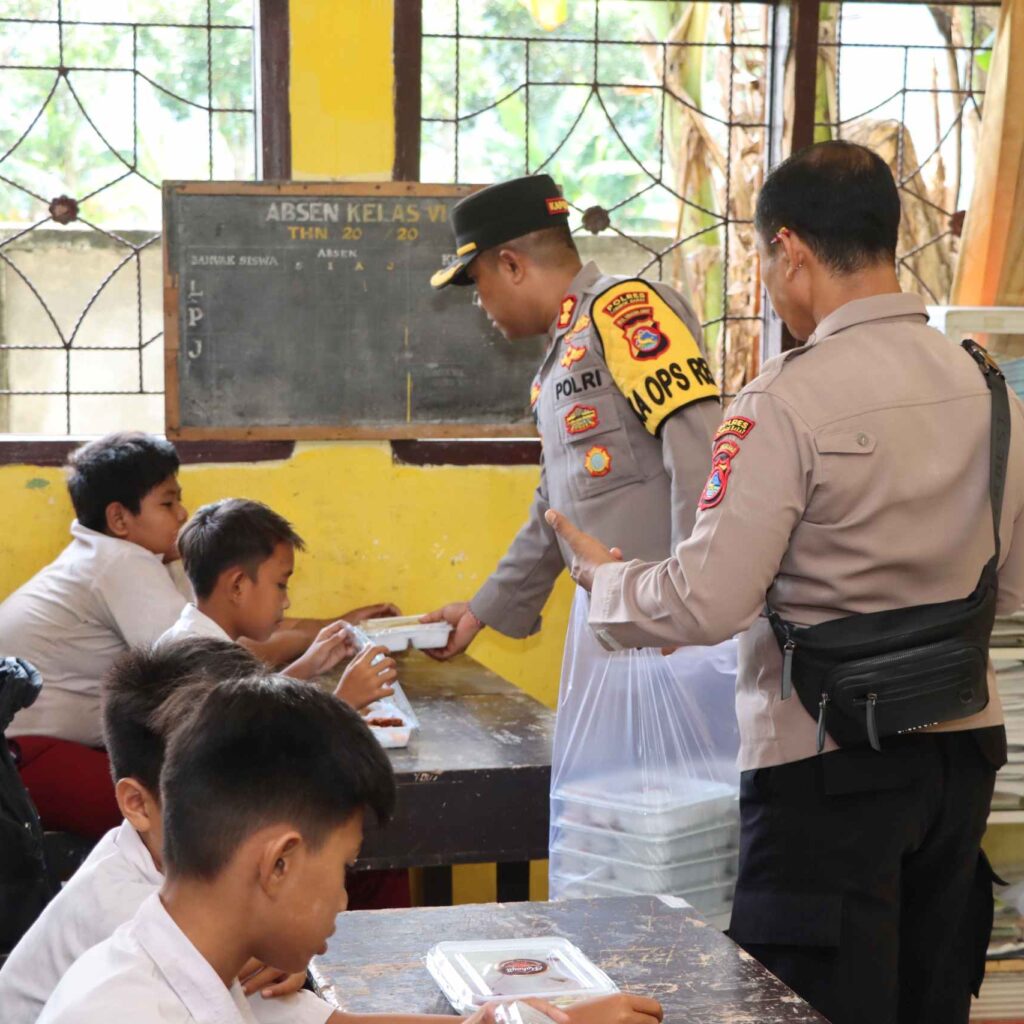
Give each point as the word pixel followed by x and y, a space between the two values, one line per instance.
pixel 511 265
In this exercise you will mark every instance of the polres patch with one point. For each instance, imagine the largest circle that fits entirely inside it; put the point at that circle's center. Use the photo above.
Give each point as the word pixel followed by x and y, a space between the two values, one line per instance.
pixel 737 426
pixel 598 461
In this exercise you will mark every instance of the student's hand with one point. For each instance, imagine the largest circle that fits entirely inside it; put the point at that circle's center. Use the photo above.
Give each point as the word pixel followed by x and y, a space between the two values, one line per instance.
pixel 371 611
pixel 333 644
pixel 621 1008
pixel 485 1015
pixel 269 981
pixel 466 624
pixel 588 552
pixel 364 683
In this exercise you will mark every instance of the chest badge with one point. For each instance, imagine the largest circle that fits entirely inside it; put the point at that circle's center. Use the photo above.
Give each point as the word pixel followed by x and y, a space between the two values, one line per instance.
pixel 581 418
pixel 566 311
pixel 574 353
pixel 534 392
pixel 598 461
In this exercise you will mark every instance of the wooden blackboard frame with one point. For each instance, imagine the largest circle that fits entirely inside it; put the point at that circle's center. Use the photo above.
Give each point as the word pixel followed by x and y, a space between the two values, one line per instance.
pixel 282 432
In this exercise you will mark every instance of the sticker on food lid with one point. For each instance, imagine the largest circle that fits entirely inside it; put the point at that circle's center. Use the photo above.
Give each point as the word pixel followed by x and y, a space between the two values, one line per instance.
pixel 522 966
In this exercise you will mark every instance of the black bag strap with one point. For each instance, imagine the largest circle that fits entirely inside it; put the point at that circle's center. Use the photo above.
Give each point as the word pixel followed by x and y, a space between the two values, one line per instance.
pixel 999 446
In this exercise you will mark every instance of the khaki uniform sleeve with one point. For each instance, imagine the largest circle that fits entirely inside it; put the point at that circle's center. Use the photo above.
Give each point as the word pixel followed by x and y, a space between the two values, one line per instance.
pixel 511 599
pixel 715 583
pixel 653 356
pixel 685 449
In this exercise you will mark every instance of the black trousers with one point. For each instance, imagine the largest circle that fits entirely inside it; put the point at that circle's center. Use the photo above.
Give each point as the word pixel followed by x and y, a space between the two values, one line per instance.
pixel 862 884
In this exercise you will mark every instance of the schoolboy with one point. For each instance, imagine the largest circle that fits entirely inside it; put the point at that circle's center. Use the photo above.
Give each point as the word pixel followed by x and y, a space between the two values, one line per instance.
pixel 117 584
pixel 126 865
pixel 239 556
pixel 264 789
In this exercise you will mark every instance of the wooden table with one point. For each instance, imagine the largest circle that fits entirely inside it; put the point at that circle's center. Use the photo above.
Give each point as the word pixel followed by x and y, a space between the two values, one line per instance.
pixel 472 784
pixel 374 961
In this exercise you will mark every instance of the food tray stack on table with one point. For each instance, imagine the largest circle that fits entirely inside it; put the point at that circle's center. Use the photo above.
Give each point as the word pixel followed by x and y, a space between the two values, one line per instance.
pixel 621 834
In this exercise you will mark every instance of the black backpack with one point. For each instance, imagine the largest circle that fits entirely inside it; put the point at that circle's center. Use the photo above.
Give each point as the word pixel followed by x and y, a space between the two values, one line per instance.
pixel 26 884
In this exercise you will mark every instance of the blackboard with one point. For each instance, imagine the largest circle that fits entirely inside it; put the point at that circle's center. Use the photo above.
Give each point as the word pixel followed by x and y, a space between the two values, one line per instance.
pixel 304 310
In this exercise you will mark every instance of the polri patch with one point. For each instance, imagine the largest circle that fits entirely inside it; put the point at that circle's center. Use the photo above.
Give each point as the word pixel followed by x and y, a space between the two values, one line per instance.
pixel 581 418
pixel 565 311
pixel 598 461
pixel 718 481
pixel 737 426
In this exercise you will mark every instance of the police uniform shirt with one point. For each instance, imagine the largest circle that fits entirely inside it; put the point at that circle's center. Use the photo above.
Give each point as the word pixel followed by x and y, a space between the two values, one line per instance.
pixel 104 893
pixel 73 619
pixel 626 407
pixel 851 476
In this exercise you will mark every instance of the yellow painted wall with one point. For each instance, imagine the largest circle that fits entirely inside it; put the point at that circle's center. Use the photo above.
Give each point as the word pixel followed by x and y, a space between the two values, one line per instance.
pixel 375 530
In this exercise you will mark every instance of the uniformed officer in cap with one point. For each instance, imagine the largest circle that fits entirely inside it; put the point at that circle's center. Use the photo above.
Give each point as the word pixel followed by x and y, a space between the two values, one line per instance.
pixel 854 476
pixel 626 407
pixel 624 400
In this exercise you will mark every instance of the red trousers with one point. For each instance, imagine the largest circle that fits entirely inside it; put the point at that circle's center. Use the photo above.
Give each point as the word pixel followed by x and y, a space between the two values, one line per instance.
pixel 69 783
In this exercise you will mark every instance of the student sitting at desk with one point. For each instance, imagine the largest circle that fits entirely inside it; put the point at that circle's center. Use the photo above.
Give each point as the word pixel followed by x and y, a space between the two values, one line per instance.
pixel 126 865
pixel 264 788
pixel 239 556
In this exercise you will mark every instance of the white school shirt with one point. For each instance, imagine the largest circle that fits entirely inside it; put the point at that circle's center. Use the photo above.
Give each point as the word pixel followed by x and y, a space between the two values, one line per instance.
pixel 99 597
pixel 147 972
pixel 104 893
pixel 193 622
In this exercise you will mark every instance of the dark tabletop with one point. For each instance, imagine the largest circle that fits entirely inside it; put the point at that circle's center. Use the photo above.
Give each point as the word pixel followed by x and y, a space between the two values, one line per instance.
pixel 374 962
pixel 473 782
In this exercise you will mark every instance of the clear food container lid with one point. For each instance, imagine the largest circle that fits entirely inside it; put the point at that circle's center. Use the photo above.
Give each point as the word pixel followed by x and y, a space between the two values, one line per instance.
pixel 473 973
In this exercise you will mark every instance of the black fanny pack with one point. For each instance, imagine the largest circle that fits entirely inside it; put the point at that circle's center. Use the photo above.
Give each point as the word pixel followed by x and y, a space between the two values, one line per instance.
pixel 868 676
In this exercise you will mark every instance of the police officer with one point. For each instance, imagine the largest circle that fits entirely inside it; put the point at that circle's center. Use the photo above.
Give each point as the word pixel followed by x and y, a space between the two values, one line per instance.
pixel 852 476
pixel 624 400
pixel 626 407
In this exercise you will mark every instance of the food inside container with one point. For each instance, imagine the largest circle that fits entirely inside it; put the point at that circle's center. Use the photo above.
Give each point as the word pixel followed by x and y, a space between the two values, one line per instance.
pixel 644 878
pixel 391 719
pixel 649 850
pixel 640 803
pixel 552 968
pixel 403 631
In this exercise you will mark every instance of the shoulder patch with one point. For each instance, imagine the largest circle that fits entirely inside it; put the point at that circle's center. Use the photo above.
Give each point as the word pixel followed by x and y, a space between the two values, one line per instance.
pixel 565 312
pixel 734 426
pixel 653 358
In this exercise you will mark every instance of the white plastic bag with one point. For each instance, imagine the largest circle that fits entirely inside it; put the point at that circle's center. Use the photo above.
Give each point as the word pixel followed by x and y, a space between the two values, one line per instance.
pixel 644 783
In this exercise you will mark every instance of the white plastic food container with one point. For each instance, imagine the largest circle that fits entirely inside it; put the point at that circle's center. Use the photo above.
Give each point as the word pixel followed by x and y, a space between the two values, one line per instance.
pixel 646 878
pixel 552 968
pixel 404 631
pixel 392 719
pixel 631 802
pixel 709 900
pixel 642 849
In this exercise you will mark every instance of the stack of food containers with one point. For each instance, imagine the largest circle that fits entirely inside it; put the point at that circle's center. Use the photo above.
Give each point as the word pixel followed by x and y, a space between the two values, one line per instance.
pixel 622 833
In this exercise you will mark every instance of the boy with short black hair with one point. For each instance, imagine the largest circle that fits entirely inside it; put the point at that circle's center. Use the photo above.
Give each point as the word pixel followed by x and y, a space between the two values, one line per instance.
pixel 239 556
pixel 117 584
pixel 126 866
pixel 264 789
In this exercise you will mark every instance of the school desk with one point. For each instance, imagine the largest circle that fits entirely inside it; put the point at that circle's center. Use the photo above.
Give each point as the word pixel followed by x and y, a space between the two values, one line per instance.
pixel 374 961
pixel 472 784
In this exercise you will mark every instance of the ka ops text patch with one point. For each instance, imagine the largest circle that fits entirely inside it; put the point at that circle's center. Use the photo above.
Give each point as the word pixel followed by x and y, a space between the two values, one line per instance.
pixel 650 352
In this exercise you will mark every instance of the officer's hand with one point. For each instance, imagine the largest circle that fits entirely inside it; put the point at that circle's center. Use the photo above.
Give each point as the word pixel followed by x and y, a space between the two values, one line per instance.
pixel 466 624
pixel 588 552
